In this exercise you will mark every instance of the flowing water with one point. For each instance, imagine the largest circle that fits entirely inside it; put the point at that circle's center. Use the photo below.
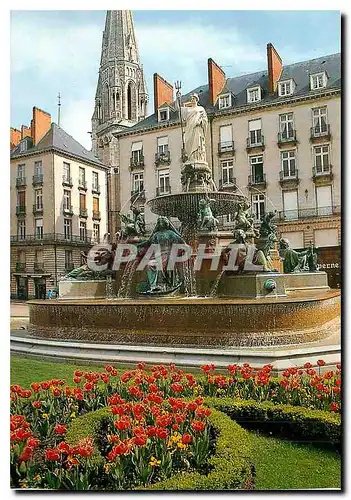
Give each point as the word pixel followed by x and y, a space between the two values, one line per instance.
pixel 127 279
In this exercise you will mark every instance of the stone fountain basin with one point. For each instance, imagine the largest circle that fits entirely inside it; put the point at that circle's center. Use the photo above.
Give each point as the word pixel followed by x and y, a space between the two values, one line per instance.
pixel 186 205
pixel 302 316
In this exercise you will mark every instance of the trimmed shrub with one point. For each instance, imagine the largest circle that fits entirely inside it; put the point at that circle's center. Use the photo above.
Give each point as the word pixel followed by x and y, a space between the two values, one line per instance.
pixel 295 422
pixel 231 465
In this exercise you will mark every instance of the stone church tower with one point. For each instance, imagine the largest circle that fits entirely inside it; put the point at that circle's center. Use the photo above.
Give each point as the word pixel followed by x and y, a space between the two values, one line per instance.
pixel 120 101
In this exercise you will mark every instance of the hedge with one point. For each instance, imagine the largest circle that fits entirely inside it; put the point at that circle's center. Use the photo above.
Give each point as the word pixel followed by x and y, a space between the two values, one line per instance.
pixel 295 422
pixel 232 461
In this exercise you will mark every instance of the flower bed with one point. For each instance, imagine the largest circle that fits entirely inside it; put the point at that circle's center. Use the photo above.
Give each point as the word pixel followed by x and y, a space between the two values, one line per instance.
pixel 148 427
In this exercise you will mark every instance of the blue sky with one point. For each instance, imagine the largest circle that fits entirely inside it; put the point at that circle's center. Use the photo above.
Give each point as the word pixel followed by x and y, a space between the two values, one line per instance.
pixel 59 51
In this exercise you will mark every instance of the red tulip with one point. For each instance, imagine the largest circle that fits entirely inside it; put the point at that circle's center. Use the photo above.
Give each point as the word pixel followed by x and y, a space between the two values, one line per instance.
pixel 187 438
pixel 60 429
pixel 198 425
pixel 52 455
pixel 320 362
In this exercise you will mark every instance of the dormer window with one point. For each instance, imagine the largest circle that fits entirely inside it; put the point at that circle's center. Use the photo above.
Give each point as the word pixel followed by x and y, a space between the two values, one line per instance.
pixel 253 94
pixel 163 115
pixel 318 81
pixel 286 87
pixel 225 101
pixel 23 146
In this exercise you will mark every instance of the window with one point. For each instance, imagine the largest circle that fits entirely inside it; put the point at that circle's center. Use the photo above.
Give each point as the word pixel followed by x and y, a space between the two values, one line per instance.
pixel 288 163
pixel 66 172
pixel 318 81
pixel 23 146
pixel 39 229
pixel 38 257
pixel 162 145
pixel 286 125
pixel 227 172
pixel 290 204
pixel 39 199
pixel 295 238
pixel 285 88
pixel 326 237
pixel 21 171
pixel 226 138
pixel 225 101
pixel 320 120
pixel 253 94
pixel 258 206
pixel 95 204
pixel 138 182
pixel 21 199
pixel 324 200
pixel 163 182
pixel 38 168
pixel 67 227
pixel 83 231
pixel 163 115
pixel 66 200
pixel 81 176
pixel 82 201
pixel 137 152
pixel 256 163
pixel 321 159
pixel 96 233
pixel 255 132
pixel 21 230
pixel 95 181
pixel 68 259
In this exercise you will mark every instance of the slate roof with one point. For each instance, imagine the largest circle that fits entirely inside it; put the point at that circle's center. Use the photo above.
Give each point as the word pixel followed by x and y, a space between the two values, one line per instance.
pixel 57 139
pixel 238 85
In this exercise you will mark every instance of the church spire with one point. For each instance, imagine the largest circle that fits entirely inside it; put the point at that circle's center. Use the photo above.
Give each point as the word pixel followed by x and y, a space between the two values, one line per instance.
pixel 121 94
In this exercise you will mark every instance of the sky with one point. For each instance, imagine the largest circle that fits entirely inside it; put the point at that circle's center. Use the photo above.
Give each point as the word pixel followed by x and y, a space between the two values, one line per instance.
pixel 59 51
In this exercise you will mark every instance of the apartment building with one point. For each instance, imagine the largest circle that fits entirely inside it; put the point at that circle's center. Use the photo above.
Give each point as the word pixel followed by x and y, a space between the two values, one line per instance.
pixel 273 135
pixel 58 208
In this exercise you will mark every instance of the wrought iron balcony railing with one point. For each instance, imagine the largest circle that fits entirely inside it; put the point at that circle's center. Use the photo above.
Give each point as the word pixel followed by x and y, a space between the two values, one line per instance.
pixel 67 181
pixel 68 210
pixel 255 180
pixel 82 184
pixel 96 215
pixel 230 185
pixel 258 143
pixel 83 212
pixel 308 213
pixel 49 238
pixel 95 189
pixel 292 175
pixel 287 137
pixel 37 209
pixel 163 158
pixel 21 182
pixel 20 210
pixel 37 180
pixel 322 171
pixel 161 191
pixel 137 162
pixel 39 267
pixel 226 147
pixel 20 267
pixel 320 130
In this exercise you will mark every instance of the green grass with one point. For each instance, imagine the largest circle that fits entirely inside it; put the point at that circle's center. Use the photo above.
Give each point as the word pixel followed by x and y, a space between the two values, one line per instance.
pixel 286 465
pixel 279 464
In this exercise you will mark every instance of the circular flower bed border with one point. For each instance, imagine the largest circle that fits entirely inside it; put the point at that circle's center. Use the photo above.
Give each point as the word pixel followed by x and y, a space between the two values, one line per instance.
pixel 232 464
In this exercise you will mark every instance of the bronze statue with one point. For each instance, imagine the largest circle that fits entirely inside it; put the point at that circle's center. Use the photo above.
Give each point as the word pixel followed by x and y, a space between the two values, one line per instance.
pixel 206 219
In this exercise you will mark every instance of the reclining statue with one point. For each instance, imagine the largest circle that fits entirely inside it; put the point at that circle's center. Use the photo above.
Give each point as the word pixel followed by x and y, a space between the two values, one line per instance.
pixel 293 261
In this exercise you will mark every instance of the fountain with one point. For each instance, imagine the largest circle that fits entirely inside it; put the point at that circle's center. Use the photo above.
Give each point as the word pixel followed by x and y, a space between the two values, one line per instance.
pixel 252 303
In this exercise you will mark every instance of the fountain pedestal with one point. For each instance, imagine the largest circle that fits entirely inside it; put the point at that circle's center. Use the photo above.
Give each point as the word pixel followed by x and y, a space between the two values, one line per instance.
pixel 255 285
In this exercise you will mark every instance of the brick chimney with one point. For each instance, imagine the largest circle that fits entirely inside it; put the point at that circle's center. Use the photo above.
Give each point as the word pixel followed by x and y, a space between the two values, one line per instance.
pixel 163 92
pixel 216 80
pixel 25 131
pixel 275 66
pixel 15 137
pixel 40 124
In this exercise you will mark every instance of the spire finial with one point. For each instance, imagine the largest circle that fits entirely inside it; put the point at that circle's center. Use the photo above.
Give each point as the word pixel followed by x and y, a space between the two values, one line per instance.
pixel 59 108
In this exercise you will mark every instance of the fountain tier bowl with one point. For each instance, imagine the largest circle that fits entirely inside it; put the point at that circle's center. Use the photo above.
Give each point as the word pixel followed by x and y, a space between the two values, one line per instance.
pixel 302 316
pixel 186 205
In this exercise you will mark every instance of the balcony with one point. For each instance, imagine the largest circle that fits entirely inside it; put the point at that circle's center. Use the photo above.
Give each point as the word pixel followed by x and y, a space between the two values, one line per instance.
pixel 67 181
pixel 38 267
pixel 137 194
pixel 163 158
pixel 20 267
pixel 37 180
pixel 136 162
pixel 69 266
pixel 226 147
pixel 82 185
pixel 163 191
pixel 21 182
pixel 37 209
pixel 257 181
pixel 228 186
pixel 320 133
pixel 20 210
pixel 289 179
pixel 309 213
pixel 287 138
pixel 49 238
pixel 68 210
pixel 258 144
pixel 96 215
pixel 322 175
pixel 95 189
pixel 83 212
